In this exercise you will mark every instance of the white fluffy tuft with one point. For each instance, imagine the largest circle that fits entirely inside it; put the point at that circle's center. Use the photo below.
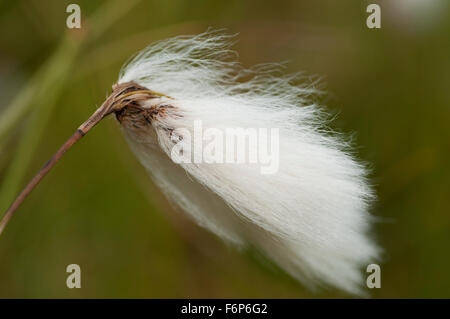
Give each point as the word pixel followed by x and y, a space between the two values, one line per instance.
pixel 311 217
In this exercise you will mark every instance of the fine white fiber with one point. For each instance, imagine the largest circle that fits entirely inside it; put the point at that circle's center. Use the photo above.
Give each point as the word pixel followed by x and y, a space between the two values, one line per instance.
pixel 311 215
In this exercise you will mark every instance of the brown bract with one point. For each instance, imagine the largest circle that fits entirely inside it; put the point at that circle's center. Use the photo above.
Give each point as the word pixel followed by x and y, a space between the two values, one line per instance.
pixel 126 101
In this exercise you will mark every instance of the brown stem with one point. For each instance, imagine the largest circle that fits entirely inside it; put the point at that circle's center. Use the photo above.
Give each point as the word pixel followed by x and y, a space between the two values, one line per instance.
pixel 115 102
pixel 82 130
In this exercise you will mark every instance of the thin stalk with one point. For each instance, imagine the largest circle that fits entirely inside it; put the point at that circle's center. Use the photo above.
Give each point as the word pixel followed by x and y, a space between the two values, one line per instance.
pixel 79 133
pixel 41 93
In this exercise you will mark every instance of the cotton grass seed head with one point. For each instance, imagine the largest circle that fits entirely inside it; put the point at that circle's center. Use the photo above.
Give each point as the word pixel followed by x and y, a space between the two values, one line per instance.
pixel 177 102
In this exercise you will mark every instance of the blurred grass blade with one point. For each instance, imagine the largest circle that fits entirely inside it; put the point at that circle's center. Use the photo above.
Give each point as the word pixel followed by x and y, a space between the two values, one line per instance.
pixel 97 25
pixel 40 95
pixel 43 105
pixel 18 107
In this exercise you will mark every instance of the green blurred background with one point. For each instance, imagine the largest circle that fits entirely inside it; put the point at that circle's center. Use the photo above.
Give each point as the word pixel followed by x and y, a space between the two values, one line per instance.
pixel 99 209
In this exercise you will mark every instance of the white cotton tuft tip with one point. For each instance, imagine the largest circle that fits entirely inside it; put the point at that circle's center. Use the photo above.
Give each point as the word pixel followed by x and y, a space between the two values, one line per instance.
pixel 308 211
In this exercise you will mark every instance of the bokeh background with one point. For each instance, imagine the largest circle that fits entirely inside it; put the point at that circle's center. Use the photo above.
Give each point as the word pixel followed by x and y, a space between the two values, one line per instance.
pixel 97 208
